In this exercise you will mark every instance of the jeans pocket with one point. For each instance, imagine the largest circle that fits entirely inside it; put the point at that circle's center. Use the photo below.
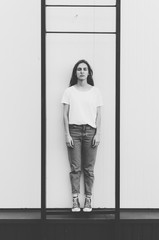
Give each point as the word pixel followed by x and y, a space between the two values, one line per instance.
pixel 74 131
pixel 91 131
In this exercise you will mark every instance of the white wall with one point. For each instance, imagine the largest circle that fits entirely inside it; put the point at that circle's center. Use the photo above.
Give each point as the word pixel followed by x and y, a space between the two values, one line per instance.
pixel 20 82
pixel 20 159
pixel 63 51
pixel 139 104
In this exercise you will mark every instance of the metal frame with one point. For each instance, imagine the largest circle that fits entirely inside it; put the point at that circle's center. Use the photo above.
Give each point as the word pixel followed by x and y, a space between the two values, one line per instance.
pixel 117 130
pixel 43 111
pixel 51 5
pixel 43 102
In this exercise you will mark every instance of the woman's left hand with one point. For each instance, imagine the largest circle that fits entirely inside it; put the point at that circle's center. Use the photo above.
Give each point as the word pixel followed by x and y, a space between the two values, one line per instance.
pixel 96 141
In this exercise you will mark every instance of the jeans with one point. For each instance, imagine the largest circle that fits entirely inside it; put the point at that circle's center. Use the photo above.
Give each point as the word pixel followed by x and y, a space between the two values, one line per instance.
pixel 82 157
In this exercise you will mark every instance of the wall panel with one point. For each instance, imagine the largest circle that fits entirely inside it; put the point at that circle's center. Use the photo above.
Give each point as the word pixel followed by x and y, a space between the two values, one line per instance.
pixel 139 105
pixel 63 51
pixel 20 104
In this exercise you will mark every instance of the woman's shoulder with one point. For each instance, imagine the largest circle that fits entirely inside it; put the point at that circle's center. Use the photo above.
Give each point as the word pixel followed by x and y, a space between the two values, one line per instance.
pixel 68 90
pixel 96 89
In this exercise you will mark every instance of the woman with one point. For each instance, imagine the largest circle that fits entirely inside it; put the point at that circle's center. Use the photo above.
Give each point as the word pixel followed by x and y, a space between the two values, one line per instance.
pixel 82 120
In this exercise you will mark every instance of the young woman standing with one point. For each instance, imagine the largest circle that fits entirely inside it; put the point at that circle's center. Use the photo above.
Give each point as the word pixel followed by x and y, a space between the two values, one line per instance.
pixel 82 122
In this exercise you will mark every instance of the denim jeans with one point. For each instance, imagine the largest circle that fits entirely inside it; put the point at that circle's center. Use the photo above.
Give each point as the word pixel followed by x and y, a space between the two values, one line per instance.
pixel 82 157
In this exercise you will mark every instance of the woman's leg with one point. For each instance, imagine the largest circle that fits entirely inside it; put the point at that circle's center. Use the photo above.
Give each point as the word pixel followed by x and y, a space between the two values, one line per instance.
pixel 74 155
pixel 88 159
pixel 75 164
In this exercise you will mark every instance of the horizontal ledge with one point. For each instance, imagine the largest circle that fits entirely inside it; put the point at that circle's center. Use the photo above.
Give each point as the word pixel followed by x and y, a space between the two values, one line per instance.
pixel 51 211
pixel 50 5
pixel 80 32
pixel 80 216
pixel 93 216
pixel 139 214
pixel 18 214
pixel 139 209
pixel 84 219
pixel 66 215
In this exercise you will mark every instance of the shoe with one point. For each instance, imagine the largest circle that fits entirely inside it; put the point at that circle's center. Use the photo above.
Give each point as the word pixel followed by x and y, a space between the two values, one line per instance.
pixel 87 205
pixel 76 205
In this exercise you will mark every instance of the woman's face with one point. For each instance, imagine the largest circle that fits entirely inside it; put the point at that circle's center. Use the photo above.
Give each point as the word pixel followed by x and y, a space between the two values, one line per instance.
pixel 82 71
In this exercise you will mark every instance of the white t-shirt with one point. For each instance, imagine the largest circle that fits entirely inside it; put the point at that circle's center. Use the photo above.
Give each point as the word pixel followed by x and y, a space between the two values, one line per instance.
pixel 83 105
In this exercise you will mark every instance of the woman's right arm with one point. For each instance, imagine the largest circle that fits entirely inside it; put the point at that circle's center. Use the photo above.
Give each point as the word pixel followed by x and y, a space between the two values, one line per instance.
pixel 68 138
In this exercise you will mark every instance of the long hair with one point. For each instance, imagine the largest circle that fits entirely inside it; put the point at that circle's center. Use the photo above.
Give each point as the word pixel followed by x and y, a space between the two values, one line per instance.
pixel 74 79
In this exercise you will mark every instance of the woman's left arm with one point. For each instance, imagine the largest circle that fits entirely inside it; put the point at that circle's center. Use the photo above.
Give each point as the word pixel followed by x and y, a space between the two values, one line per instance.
pixel 96 139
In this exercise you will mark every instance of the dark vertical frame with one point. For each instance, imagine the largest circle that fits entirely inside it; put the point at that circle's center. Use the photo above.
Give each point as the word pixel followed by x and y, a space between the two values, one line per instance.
pixel 43 111
pixel 117 127
pixel 43 105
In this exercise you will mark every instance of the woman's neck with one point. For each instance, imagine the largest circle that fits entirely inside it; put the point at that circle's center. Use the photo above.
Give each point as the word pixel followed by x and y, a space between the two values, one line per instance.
pixel 83 87
pixel 82 83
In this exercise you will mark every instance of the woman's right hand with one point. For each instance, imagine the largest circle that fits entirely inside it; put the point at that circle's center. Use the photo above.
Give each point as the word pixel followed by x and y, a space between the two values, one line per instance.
pixel 69 141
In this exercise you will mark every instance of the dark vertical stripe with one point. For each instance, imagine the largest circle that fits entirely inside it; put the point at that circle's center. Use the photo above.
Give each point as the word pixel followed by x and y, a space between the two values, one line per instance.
pixel 117 145
pixel 83 6
pixel 43 111
pixel 67 32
